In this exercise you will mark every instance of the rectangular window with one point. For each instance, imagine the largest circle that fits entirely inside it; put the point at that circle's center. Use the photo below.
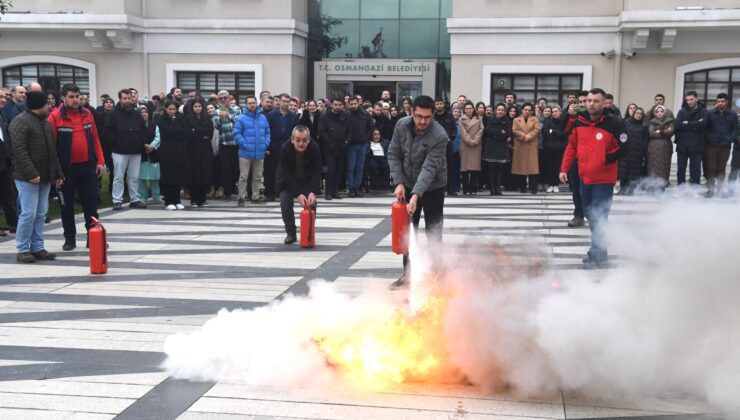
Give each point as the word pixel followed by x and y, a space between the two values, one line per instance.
pixel 379 9
pixel 530 87
pixel 415 46
pixel 239 84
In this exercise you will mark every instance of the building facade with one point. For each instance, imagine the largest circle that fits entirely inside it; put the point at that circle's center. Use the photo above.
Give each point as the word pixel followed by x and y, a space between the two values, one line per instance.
pixel 325 48
pixel 153 45
pixel 632 48
pixel 367 46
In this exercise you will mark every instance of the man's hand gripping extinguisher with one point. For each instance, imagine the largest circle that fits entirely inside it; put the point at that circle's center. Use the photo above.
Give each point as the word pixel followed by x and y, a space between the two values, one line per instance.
pixel 308 227
pixel 400 227
pixel 98 248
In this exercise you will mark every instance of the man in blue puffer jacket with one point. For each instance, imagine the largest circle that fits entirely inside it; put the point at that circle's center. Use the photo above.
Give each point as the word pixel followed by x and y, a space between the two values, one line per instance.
pixel 252 134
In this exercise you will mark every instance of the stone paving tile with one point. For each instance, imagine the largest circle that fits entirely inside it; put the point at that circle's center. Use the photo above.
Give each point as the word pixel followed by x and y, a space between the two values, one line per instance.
pixel 99 338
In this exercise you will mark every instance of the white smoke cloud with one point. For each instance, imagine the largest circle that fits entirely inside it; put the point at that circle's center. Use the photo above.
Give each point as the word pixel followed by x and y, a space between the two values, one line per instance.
pixel 664 320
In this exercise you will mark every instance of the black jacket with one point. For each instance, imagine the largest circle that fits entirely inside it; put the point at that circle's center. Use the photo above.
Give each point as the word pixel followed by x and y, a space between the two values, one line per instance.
pixel 553 137
pixel 385 126
pixel 125 131
pixel 360 127
pixel 312 126
pixel 333 132
pixel 689 131
pixel 6 149
pixel 496 139
pixel 632 166
pixel 174 160
pixel 200 150
pixel 287 176
pixel 447 121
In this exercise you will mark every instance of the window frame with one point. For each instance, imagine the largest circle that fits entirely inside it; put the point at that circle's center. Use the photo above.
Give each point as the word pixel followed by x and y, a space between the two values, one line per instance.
pixel 26 80
pixel 239 94
pixel 732 87
pixel 562 92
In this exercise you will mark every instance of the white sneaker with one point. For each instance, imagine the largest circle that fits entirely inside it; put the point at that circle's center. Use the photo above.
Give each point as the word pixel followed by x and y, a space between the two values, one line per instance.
pixel 555 189
pixel 549 189
pixel 179 206
pixel 170 207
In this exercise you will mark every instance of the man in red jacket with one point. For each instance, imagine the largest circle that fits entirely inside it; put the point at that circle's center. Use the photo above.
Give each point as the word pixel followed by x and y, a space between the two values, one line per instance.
pixel 81 158
pixel 597 141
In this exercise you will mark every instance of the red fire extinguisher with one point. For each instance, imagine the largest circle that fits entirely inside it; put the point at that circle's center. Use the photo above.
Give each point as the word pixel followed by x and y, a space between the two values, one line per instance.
pixel 400 227
pixel 308 227
pixel 98 248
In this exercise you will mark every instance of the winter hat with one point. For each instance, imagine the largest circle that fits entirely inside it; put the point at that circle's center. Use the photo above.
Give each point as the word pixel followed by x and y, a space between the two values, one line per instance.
pixel 657 107
pixel 35 100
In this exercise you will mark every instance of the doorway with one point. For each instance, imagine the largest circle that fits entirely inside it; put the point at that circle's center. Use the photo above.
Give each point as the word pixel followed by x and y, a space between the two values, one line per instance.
pixel 372 90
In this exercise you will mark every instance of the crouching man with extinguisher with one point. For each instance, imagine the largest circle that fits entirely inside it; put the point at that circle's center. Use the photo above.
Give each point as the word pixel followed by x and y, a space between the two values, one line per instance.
pixel 419 169
pixel 298 176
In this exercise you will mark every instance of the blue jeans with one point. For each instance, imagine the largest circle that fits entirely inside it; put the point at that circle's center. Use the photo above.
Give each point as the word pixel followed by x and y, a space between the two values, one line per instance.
pixel 597 201
pixel 34 200
pixel 355 164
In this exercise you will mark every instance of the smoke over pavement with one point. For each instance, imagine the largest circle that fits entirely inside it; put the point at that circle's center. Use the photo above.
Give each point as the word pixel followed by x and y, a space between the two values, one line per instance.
pixel 663 320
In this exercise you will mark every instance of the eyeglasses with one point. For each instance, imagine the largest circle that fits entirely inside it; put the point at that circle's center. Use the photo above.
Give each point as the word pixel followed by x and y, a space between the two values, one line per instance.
pixel 422 117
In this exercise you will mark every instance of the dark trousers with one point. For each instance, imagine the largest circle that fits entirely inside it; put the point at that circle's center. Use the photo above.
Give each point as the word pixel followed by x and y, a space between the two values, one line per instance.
pixel 694 162
pixel 342 169
pixel 228 162
pixel 469 181
pixel 532 183
pixel 198 194
pixel 379 172
pixel 597 202
pixel 717 157
pixel 451 175
pixel 80 179
pixel 551 160
pixel 8 197
pixel 332 172
pixel 270 171
pixel 171 194
pixel 453 182
pixel 432 204
pixel 495 175
pixel 286 210
pixel 574 182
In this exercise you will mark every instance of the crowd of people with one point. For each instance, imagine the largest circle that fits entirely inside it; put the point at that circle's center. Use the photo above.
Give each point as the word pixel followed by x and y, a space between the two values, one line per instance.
pixel 196 147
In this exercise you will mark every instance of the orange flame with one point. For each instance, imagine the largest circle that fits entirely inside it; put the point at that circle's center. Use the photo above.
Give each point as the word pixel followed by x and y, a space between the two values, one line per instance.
pixel 390 350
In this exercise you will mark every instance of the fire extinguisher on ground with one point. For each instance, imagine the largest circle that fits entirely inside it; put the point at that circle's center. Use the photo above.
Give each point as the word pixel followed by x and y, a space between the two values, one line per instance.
pixel 308 227
pixel 98 248
pixel 400 227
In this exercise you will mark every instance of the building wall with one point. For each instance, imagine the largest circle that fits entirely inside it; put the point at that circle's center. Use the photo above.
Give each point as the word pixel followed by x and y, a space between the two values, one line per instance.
pixel 528 8
pixel 649 74
pixel 467 71
pixel 634 47
pixel 220 9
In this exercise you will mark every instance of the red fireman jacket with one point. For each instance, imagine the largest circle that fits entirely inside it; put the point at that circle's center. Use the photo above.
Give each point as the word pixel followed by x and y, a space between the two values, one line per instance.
pixel 597 145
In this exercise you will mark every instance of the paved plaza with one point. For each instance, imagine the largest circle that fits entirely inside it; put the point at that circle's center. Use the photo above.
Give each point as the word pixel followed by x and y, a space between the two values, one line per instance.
pixel 76 346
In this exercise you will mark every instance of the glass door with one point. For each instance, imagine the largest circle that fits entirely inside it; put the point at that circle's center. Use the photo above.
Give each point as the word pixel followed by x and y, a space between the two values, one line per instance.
pixel 338 90
pixel 410 90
